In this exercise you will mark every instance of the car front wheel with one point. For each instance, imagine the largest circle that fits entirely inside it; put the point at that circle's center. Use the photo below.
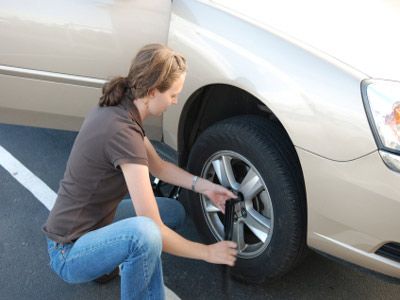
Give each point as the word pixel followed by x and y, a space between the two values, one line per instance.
pixel 255 158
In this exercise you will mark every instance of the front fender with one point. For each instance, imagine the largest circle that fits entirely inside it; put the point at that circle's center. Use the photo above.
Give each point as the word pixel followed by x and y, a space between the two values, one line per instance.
pixel 316 97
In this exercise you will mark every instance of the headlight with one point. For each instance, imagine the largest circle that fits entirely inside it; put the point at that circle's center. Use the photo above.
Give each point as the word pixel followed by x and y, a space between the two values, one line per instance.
pixel 382 104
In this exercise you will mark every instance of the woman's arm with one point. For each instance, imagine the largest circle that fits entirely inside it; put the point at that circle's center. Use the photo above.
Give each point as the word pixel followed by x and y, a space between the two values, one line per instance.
pixel 138 182
pixel 172 174
pixel 166 171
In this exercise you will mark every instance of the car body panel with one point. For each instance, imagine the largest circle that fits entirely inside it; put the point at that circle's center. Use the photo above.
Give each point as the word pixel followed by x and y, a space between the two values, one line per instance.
pixel 352 211
pixel 28 101
pixel 358 33
pixel 281 73
pixel 95 40
pixel 352 197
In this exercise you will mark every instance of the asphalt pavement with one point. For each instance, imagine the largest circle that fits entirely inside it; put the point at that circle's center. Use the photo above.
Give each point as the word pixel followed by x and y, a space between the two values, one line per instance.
pixel 24 265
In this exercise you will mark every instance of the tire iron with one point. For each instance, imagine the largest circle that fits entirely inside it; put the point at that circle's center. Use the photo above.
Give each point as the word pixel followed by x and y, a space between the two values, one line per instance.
pixel 229 219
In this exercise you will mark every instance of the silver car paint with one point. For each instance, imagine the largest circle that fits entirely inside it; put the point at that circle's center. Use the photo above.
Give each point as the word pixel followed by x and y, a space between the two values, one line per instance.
pixel 358 33
pixel 54 55
pixel 352 196
pixel 281 72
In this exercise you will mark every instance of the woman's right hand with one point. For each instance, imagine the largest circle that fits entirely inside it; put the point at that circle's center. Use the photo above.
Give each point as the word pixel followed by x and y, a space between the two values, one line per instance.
pixel 223 252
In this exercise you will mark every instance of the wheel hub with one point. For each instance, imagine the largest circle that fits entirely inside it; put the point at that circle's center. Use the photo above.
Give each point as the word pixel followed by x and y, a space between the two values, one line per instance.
pixel 253 213
pixel 240 208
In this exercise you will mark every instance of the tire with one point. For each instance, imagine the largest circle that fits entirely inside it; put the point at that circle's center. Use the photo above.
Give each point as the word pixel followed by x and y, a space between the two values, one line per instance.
pixel 271 225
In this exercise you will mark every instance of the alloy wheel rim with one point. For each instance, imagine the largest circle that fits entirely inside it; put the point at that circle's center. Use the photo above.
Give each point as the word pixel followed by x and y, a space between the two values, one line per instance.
pixel 254 218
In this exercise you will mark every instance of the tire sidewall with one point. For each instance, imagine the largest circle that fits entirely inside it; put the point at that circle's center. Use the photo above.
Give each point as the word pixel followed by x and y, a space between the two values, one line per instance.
pixel 258 148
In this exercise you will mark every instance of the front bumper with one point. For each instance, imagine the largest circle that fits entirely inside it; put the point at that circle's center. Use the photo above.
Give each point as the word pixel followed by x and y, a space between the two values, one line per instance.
pixel 353 209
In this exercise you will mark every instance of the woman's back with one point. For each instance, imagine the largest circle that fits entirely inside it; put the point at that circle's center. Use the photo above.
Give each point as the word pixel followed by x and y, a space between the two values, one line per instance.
pixel 93 184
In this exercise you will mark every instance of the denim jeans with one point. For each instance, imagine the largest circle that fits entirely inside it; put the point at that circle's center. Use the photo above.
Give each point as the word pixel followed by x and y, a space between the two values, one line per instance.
pixel 134 244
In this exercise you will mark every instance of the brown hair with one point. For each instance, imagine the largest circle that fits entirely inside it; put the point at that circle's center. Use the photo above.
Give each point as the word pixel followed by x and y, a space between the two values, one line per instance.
pixel 154 67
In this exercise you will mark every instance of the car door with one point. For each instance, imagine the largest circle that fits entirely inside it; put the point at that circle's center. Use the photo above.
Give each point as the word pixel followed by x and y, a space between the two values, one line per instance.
pixel 55 55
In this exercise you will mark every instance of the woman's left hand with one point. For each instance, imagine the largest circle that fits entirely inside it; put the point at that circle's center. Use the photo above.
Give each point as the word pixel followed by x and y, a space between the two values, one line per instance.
pixel 218 195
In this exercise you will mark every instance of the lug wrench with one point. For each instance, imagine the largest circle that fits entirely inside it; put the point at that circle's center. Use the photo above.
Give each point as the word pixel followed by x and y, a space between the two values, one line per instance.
pixel 229 219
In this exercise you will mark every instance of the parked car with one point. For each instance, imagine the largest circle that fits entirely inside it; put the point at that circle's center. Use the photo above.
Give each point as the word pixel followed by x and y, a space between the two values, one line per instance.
pixel 294 104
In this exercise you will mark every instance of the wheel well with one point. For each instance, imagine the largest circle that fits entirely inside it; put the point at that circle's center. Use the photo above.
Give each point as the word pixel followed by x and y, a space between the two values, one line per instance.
pixel 202 110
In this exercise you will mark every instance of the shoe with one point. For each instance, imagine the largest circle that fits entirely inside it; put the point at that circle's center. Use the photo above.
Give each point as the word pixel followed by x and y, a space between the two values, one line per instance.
pixel 108 277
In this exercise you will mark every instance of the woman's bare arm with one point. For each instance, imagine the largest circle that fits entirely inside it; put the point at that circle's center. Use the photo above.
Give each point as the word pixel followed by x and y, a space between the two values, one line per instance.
pixel 138 182
pixel 174 175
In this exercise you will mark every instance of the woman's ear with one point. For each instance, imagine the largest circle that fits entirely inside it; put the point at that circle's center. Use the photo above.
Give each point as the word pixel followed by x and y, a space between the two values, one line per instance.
pixel 152 92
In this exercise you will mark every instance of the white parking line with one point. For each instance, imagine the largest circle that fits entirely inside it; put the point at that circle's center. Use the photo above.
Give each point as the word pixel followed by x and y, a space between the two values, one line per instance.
pixel 40 190
pixel 25 177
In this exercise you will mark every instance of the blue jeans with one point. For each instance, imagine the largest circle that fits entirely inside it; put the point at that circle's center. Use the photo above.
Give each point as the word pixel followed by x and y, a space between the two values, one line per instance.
pixel 134 244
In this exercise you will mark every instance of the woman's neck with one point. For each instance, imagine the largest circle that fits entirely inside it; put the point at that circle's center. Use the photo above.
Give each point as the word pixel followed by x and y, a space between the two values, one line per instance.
pixel 142 107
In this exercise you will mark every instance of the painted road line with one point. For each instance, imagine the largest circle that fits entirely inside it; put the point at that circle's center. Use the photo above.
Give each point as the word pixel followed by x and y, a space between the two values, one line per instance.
pixel 40 190
pixel 29 180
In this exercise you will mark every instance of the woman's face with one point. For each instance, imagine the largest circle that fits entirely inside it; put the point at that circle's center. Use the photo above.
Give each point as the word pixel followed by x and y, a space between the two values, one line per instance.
pixel 159 102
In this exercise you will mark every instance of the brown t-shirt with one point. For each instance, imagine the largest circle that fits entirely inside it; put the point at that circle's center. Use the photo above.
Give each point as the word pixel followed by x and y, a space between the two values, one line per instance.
pixel 93 184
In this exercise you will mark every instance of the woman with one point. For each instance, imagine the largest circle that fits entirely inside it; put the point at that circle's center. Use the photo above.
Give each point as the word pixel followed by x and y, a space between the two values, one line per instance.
pixel 111 156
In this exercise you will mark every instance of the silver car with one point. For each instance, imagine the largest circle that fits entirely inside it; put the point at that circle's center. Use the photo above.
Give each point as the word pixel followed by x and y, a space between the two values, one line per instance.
pixel 294 104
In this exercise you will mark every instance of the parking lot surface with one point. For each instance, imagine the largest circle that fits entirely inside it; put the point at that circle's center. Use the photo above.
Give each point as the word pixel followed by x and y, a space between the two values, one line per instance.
pixel 25 271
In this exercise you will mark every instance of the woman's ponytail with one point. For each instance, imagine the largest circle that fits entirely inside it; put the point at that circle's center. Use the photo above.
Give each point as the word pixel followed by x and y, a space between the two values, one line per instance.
pixel 114 91
pixel 154 67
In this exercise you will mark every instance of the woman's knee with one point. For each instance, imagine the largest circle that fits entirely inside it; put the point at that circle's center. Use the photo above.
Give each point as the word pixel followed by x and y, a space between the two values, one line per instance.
pixel 146 235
